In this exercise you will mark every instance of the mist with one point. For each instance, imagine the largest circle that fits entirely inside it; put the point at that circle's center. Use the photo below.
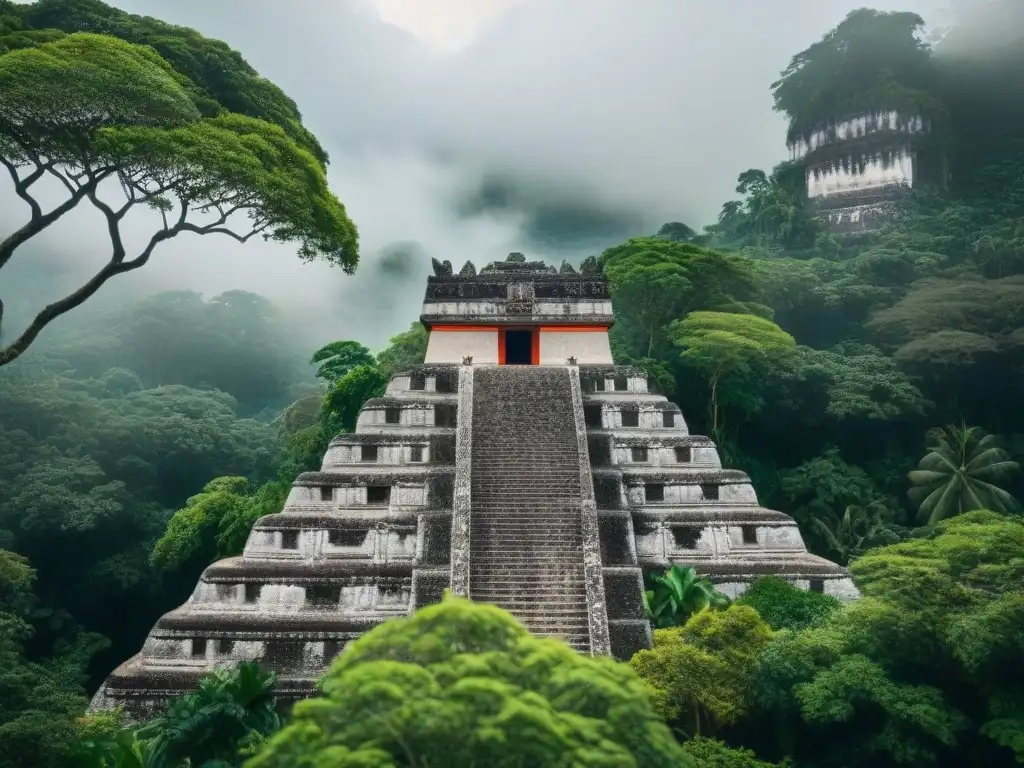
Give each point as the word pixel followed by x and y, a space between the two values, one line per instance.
pixel 554 127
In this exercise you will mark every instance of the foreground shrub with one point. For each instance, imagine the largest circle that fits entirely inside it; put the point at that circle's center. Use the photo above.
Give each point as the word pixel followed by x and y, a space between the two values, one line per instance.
pixel 459 685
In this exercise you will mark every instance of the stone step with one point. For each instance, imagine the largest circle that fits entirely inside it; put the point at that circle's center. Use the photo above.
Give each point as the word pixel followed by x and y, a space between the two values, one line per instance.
pixel 552 630
pixel 571 610
pixel 506 557
pixel 565 580
pixel 551 586
pixel 508 529
pixel 566 605
pixel 499 511
pixel 572 582
pixel 528 556
pixel 509 496
pixel 526 551
pixel 526 579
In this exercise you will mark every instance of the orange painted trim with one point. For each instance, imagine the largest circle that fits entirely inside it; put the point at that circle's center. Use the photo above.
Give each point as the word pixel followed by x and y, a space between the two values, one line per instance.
pixel 574 328
pixel 501 347
pixel 535 347
pixel 455 328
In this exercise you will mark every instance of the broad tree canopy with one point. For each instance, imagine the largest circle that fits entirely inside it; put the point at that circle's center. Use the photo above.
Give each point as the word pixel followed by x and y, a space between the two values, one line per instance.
pixel 461 684
pixel 122 125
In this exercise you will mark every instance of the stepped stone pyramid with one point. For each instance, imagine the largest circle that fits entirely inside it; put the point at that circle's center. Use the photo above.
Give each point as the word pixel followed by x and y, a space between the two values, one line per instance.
pixel 518 466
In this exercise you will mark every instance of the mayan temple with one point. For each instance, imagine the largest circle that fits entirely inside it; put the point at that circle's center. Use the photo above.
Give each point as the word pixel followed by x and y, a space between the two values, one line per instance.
pixel 517 466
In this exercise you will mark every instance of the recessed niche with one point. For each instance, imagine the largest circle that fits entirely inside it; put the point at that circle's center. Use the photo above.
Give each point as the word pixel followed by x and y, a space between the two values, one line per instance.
pixel 620 384
pixel 346 537
pixel 225 646
pixel 445 415
pixel 378 494
pixel 326 493
pixel 392 415
pixel 749 534
pixel 817 585
pixel 592 416
pixel 323 595
pixel 684 454
pixel 416 453
pixel 368 453
pixel 225 592
pixel 709 491
pixel 686 536
pixel 631 418
pixel 638 454
pixel 654 493
pixel 198 647
pixel 668 419
pixel 252 592
pixel 418 381
pixel 289 539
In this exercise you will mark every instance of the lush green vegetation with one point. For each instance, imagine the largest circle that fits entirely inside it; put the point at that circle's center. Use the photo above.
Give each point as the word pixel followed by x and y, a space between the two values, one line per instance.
pixel 869 385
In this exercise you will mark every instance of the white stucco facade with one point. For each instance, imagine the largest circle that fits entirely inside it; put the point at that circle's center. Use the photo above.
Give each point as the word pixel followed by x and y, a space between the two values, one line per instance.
pixel 452 346
pixel 586 346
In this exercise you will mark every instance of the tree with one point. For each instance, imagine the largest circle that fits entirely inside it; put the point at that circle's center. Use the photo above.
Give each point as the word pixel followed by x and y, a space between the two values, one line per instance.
pixel 851 382
pixel 461 684
pixel 345 399
pixel 676 595
pixel 959 590
pixel 676 231
pixel 218 77
pixel 964 470
pixel 731 350
pixel 403 351
pixel 655 281
pixel 234 342
pixel 871 62
pixel 711 753
pixel 850 535
pixel 338 358
pixel 193 532
pixel 820 490
pixel 38 701
pixel 223 721
pixel 700 671
pixel 918 671
pixel 99 115
pixel 784 606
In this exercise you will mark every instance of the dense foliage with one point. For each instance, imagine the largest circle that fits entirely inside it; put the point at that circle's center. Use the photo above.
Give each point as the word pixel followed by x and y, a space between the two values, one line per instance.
pixel 870 386
pixel 226 718
pixel 459 684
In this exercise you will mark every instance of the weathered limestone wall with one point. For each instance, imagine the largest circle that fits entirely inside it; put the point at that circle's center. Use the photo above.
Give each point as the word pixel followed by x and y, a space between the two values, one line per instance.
pixel 683 508
pixel 462 501
pixel 597 610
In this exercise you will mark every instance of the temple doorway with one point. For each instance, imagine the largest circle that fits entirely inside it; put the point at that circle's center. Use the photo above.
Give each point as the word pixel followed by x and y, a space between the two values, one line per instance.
pixel 518 347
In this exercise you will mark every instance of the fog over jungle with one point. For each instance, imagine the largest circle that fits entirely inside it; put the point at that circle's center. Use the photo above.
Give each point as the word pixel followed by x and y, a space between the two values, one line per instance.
pixel 555 127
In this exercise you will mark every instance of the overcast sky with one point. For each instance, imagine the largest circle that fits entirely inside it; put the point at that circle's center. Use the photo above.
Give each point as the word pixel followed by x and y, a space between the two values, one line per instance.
pixel 477 127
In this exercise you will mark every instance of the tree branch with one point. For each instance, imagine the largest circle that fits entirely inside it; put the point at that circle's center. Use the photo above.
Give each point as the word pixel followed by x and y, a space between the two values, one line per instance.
pixel 113 227
pixel 73 300
pixel 36 225
pixel 117 264
pixel 62 179
pixel 21 187
pixel 212 229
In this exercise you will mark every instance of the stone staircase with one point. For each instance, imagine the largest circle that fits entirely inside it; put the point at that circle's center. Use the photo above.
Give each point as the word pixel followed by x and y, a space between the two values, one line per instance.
pixel 526 552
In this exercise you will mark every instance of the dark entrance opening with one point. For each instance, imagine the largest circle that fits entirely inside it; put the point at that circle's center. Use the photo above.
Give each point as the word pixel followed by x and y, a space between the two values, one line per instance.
pixel 518 347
